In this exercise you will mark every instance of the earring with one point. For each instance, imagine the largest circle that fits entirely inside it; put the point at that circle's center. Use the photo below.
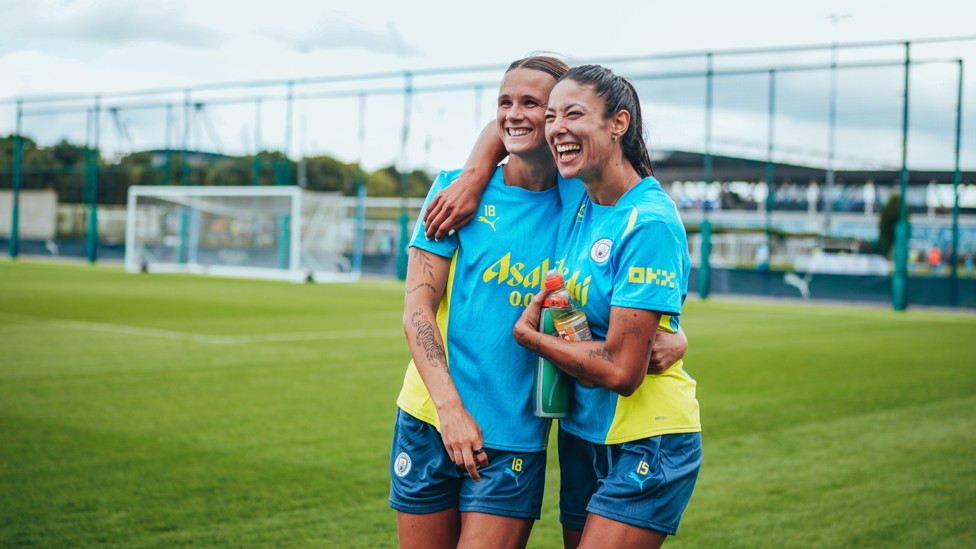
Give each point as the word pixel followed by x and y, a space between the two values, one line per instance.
pixel 613 138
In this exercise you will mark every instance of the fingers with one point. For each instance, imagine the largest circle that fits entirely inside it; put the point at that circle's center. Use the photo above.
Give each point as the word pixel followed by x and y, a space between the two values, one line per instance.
pixel 433 209
pixel 538 300
pixel 452 223
pixel 481 457
pixel 446 213
pixel 464 443
pixel 540 296
pixel 448 222
pixel 471 464
pixel 471 459
pixel 434 220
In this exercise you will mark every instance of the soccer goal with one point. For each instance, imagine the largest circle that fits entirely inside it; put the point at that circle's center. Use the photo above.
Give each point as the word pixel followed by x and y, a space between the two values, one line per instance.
pixel 282 233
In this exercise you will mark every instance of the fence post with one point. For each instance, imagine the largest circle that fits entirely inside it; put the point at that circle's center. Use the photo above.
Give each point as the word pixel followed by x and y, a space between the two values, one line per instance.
pixel 14 244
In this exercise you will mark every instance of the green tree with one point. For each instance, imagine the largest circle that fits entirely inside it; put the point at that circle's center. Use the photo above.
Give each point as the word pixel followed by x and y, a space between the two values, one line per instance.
pixel 62 167
pixel 324 173
pixel 383 183
pixel 887 220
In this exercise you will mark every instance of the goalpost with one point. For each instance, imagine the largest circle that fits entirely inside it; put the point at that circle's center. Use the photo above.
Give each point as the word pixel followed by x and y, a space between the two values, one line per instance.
pixel 282 233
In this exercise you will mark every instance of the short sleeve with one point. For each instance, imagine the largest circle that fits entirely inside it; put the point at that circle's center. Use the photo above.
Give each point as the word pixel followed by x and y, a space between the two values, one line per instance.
pixel 447 245
pixel 650 265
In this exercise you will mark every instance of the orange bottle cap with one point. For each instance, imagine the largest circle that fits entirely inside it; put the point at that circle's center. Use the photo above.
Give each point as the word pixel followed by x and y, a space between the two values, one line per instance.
pixel 554 280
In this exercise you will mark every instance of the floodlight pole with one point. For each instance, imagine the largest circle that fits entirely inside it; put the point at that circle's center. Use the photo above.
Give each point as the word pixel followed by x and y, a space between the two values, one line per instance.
pixel 283 177
pixel 168 163
pixel 956 177
pixel 704 267
pixel 478 93
pixel 256 166
pixel 14 244
pixel 357 252
pixel 284 167
pixel 899 286
pixel 181 253
pixel 832 127
pixel 770 170
pixel 404 180
pixel 91 247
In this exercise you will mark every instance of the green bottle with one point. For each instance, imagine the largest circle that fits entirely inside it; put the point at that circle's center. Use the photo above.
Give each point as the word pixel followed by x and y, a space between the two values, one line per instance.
pixel 552 389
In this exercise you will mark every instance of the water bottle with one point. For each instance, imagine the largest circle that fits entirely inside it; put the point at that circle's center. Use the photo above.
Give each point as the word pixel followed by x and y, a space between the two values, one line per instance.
pixel 566 314
pixel 552 388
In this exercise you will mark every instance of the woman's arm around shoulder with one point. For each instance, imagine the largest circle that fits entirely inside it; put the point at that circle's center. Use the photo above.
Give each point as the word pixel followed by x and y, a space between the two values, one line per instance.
pixel 456 205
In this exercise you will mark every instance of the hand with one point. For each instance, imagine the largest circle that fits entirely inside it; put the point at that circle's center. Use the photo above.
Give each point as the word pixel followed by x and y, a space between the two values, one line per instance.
pixel 668 349
pixel 526 330
pixel 452 208
pixel 462 436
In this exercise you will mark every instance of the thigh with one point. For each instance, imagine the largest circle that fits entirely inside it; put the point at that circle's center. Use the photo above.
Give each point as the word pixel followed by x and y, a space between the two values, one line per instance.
pixel 440 530
pixel 604 532
pixel 482 530
pixel 423 478
pixel 578 477
pixel 649 482
pixel 511 485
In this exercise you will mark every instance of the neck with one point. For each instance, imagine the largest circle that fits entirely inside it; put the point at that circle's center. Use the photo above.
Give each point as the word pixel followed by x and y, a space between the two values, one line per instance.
pixel 535 172
pixel 606 187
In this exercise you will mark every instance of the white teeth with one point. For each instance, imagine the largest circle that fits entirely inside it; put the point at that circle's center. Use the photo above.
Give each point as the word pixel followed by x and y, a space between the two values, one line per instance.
pixel 517 132
pixel 567 148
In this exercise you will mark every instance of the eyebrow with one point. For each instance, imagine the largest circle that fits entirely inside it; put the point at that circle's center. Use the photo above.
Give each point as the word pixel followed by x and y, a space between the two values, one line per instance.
pixel 570 106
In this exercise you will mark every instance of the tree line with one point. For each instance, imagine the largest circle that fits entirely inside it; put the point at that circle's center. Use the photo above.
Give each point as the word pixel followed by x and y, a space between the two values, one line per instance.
pixel 62 167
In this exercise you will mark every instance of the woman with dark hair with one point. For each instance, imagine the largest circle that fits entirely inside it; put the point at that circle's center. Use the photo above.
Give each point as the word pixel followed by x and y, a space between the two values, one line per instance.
pixel 630 450
pixel 468 456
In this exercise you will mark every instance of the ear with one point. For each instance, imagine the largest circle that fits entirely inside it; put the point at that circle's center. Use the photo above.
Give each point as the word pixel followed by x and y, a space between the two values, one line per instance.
pixel 619 122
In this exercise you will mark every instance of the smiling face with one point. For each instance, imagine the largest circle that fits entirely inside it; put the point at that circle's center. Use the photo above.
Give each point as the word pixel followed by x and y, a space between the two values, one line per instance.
pixel 520 118
pixel 577 131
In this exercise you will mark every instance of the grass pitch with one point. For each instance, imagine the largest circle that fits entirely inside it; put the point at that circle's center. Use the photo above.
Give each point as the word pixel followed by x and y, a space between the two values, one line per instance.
pixel 160 411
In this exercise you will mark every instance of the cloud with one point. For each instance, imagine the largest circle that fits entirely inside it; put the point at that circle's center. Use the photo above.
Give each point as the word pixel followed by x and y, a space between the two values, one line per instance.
pixel 332 33
pixel 49 25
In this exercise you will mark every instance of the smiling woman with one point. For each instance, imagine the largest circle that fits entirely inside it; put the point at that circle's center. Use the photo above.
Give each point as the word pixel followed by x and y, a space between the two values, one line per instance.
pixel 483 472
pixel 630 450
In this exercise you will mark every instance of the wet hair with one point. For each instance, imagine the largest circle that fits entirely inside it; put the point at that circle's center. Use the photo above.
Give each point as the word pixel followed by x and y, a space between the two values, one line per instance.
pixel 618 94
pixel 545 63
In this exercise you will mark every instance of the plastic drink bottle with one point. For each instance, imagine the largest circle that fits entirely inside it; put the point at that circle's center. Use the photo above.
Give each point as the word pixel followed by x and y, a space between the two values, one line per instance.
pixel 552 388
pixel 566 314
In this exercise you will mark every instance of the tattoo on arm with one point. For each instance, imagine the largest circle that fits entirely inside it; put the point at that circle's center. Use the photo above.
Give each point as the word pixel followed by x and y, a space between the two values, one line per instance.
pixel 579 369
pixel 422 284
pixel 424 262
pixel 428 341
pixel 603 353
pixel 631 327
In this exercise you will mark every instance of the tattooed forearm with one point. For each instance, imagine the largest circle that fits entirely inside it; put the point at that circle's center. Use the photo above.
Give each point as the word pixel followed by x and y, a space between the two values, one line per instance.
pixel 579 369
pixel 603 353
pixel 428 341
pixel 631 327
pixel 424 262
pixel 421 285
pixel 561 341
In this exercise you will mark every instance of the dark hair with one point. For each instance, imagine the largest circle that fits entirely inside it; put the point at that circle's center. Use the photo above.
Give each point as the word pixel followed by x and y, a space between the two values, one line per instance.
pixel 545 63
pixel 618 94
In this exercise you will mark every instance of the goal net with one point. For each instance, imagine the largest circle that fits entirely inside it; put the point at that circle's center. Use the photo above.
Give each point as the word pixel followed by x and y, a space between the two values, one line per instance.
pixel 282 233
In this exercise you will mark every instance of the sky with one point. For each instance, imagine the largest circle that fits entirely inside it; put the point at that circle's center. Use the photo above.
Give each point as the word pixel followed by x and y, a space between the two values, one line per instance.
pixel 81 48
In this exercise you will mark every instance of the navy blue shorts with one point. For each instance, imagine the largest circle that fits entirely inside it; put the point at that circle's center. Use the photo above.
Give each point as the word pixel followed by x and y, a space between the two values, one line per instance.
pixel 645 483
pixel 424 479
